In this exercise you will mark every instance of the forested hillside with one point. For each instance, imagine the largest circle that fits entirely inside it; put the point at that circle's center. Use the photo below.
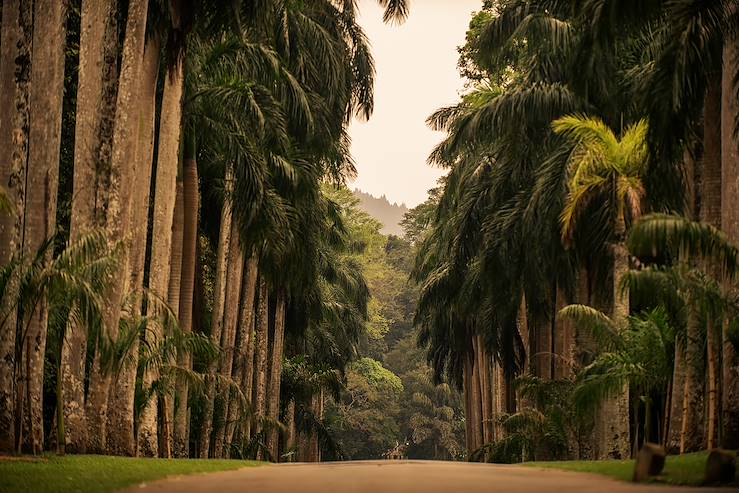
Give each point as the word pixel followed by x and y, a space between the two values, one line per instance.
pixel 389 398
pixel 388 214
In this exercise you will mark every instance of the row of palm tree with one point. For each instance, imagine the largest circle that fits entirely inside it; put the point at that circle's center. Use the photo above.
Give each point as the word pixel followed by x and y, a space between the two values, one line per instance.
pixel 585 119
pixel 201 245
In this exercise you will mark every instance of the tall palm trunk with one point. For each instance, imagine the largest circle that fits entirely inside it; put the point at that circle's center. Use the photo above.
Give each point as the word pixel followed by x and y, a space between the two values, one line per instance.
pixel 120 416
pixel 710 212
pixel 47 87
pixel 675 419
pixel 119 197
pixel 244 349
pixel 234 280
pixel 730 225
pixel 467 390
pixel 564 339
pixel 691 435
pixel 484 383
pixel 166 434
pixel 291 430
pixel 476 393
pixel 96 89
pixel 275 372
pixel 712 364
pixel 165 190
pixel 15 71
pixel 614 415
pixel 219 300
pixel 262 350
pixel 249 368
pixel 189 258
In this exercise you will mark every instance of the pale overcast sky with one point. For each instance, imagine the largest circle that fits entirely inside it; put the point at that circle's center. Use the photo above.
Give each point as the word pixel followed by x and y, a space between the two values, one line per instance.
pixel 417 73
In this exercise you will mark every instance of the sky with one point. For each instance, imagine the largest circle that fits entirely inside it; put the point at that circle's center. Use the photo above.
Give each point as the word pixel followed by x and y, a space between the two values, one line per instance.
pixel 416 65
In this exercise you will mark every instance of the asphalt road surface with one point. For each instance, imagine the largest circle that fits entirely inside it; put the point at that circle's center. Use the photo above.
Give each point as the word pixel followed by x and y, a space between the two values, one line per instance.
pixel 400 477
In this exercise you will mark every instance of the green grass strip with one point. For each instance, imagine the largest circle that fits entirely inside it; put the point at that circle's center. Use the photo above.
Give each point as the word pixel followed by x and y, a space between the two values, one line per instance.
pixel 686 469
pixel 97 473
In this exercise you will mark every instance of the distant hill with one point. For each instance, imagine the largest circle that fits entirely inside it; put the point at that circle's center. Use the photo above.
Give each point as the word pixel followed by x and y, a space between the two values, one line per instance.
pixel 381 209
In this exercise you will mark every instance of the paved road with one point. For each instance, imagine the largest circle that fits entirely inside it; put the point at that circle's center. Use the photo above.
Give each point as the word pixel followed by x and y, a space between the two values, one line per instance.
pixel 399 477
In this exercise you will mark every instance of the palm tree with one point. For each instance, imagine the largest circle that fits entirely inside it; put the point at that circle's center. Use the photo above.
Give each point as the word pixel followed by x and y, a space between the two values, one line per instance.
pixel 603 166
pixel 47 85
pixel 120 419
pixel 15 46
pixel 117 221
pixel 93 136
pixel 637 354
pixel 71 283
pixel 688 239
pixel 189 252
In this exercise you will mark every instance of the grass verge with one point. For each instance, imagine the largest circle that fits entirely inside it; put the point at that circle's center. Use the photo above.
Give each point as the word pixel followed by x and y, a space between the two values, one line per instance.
pixel 98 473
pixel 687 469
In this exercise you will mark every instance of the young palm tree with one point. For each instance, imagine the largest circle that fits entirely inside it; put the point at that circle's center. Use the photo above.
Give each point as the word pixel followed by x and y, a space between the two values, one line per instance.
pixel 602 166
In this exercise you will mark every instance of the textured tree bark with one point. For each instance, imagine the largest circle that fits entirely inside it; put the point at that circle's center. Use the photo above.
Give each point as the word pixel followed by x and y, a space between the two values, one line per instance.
pixel 614 415
pixel 710 212
pixel 249 365
pixel 483 374
pixel 96 94
pixel 120 416
pixel 564 340
pixel 291 430
pixel 476 397
pixel 501 398
pixel 262 349
pixel 275 372
pixel 243 355
pixel 730 225
pixel 47 87
pixel 219 300
pixel 119 198
pixel 234 280
pixel 175 265
pixel 189 258
pixel 691 435
pixel 675 421
pixel 467 390
pixel 15 73
pixel 165 190
pixel 166 434
pixel 544 351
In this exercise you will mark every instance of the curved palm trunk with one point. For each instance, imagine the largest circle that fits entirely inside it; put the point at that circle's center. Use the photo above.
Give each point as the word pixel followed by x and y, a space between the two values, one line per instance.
pixel 244 350
pixel 189 258
pixel 47 86
pixel 117 222
pixel 234 280
pixel 15 46
pixel 262 350
pixel 219 300
pixel 165 190
pixel 275 372
pixel 730 225
pixel 97 84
